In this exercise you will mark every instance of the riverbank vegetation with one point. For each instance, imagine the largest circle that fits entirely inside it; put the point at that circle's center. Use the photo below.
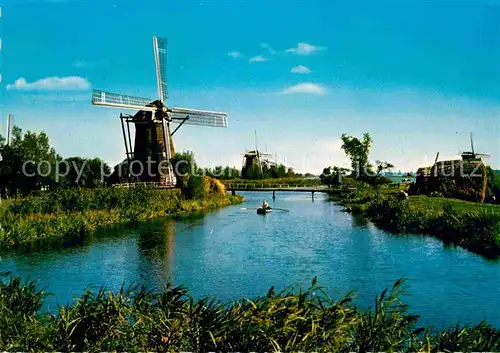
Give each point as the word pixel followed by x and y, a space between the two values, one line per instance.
pixel 473 226
pixel 134 319
pixel 68 215
pixel 362 189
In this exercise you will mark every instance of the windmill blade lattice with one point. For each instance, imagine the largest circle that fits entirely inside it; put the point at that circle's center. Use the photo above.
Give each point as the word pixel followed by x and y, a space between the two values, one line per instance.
pixel 198 117
pixel 160 49
pixel 116 100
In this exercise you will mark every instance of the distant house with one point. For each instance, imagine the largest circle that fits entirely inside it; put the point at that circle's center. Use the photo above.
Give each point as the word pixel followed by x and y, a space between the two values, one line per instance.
pixel 462 178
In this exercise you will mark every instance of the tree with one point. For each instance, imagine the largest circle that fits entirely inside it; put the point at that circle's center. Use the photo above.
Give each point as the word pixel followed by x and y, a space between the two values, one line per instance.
pixel 358 150
pixel 382 166
pixel 333 175
pixel 493 184
pixel 84 172
pixel 29 162
pixel 189 176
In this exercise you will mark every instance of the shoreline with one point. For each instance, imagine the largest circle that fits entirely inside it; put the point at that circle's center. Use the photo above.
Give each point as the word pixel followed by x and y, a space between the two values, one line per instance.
pixel 475 230
pixel 39 230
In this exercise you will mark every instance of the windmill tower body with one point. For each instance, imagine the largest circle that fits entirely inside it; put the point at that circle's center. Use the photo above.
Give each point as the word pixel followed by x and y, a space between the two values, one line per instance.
pixel 149 145
pixel 149 159
pixel 252 162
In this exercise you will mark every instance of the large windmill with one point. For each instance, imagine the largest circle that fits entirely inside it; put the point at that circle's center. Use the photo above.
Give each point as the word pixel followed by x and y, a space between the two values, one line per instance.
pixel 152 124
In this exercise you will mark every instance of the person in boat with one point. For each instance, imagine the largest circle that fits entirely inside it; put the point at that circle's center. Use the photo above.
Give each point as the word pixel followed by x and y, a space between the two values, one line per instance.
pixel 265 205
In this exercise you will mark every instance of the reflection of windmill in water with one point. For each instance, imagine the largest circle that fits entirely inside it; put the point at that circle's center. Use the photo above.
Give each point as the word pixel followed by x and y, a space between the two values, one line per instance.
pixel 152 124
pixel 156 244
pixel 255 161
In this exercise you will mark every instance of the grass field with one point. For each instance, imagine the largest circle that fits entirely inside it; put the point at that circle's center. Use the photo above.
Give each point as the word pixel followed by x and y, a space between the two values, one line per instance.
pixel 437 204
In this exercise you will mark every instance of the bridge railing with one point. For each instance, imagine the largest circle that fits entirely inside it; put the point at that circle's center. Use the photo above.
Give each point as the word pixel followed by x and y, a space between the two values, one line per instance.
pixel 271 186
pixel 143 183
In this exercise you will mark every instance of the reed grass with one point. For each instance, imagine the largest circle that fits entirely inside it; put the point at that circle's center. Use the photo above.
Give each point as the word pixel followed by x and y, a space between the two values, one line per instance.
pixel 68 216
pixel 134 319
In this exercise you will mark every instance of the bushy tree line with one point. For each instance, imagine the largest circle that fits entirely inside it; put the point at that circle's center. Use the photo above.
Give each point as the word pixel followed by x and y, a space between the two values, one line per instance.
pixel 29 162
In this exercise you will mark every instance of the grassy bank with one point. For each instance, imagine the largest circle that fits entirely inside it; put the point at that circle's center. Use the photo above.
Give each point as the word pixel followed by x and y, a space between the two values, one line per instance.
pixel 68 215
pixel 134 319
pixel 473 226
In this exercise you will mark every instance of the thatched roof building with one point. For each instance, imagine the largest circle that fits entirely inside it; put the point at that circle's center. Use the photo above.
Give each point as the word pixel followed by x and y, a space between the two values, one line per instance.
pixel 463 179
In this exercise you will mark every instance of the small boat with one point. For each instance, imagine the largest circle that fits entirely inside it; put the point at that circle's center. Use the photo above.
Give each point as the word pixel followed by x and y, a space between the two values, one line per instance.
pixel 261 210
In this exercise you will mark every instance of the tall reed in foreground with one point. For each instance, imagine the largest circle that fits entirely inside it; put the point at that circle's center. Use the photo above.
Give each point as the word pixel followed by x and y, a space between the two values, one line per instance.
pixel 135 319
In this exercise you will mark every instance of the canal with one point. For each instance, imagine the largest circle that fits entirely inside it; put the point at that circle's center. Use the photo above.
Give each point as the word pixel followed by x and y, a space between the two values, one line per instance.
pixel 233 253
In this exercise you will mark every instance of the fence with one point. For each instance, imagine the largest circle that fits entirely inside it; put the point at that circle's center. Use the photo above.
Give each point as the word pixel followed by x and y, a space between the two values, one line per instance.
pixel 273 186
pixel 150 184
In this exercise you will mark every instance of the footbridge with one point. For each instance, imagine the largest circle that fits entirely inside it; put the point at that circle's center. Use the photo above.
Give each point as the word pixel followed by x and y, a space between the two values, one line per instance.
pixel 233 187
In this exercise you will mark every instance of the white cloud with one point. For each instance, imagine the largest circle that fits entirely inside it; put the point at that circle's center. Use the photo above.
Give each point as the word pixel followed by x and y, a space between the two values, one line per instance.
pixel 234 54
pixel 305 49
pixel 268 48
pixel 257 59
pixel 51 84
pixel 301 69
pixel 311 88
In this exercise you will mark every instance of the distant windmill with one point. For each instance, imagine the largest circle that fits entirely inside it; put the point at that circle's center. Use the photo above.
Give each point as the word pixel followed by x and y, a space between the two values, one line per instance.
pixel 152 121
pixel 252 161
pixel 472 154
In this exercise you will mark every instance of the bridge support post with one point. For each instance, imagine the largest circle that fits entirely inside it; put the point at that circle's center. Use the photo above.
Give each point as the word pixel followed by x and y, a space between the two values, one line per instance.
pixel 313 195
pixel 274 194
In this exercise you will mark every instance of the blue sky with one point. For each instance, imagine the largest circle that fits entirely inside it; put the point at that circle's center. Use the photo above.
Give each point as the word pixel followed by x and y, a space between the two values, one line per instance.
pixel 418 75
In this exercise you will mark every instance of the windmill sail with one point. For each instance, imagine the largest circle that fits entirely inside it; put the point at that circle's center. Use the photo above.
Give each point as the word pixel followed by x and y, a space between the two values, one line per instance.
pixel 198 117
pixel 160 49
pixel 115 100
pixel 153 138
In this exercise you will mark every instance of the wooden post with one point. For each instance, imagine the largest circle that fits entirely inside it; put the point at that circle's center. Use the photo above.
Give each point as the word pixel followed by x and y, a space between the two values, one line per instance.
pixel 274 195
pixel 313 195
pixel 233 192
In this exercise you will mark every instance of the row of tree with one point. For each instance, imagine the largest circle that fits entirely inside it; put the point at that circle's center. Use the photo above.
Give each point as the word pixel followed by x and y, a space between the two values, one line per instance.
pixel 29 162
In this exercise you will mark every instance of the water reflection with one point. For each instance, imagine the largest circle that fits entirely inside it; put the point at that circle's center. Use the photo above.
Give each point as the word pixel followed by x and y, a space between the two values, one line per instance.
pixel 193 220
pixel 359 221
pixel 233 253
pixel 156 247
